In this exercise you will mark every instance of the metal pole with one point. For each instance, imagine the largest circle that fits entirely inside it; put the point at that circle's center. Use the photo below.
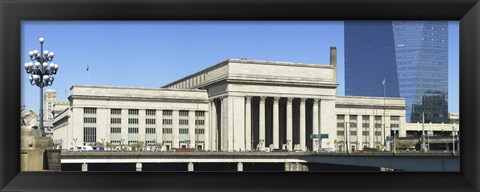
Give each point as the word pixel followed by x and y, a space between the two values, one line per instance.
pixel 40 126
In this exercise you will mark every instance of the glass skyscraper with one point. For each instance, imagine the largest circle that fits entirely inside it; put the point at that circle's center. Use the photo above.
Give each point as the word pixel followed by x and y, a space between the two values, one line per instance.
pixel 412 58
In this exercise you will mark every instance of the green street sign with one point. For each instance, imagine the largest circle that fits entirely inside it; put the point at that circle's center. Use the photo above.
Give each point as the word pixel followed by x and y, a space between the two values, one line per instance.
pixel 318 136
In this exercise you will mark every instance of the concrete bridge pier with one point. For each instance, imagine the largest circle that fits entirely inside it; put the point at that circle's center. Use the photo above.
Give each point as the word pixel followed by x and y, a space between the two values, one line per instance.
pixel 138 166
pixel 84 167
pixel 240 166
pixel 190 166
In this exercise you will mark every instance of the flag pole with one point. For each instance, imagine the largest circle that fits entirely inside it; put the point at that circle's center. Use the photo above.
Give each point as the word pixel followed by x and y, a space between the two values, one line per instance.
pixel 384 117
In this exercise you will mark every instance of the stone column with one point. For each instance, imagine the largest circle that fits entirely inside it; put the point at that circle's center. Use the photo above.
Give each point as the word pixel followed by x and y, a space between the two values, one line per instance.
pixel 302 125
pixel 138 166
pixel 289 124
pixel 206 139
pixel 248 123
pixel 159 124
pixel 84 167
pixel 224 124
pixel 315 128
pixel 240 166
pixel 262 123
pixel 191 130
pixel 276 128
pixel 213 125
pixel 372 131
pixel 175 127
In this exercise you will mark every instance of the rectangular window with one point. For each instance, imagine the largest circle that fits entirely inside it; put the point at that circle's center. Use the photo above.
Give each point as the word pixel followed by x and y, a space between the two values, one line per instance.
pixel 378 121
pixel 89 120
pixel 183 131
pixel 116 111
pixel 115 130
pixel 200 113
pixel 150 130
pixel 132 121
pixel 353 122
pixel 133 130
pixel 199 122
pixel 184 113
pixel 167 112
pixel 150 112
pixel 167 130
pixel 365 122
pixel 167 121
pixel 115 120
pixel 395 122
pixel 90 110
pixel 183 121
pixel 132 142
pixel 340 133
pixel 199 131
pixel 133 111
pixel 90 134
pixel 150 121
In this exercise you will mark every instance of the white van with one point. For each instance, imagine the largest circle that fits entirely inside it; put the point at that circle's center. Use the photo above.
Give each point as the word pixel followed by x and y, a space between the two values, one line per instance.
pixel 85 148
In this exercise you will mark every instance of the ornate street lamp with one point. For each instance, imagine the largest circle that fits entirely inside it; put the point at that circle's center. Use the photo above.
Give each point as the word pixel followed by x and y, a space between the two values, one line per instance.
pixel 41 70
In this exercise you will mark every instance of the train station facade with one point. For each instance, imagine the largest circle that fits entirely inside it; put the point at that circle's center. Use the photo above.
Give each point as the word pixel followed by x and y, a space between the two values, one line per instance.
pixel 235 105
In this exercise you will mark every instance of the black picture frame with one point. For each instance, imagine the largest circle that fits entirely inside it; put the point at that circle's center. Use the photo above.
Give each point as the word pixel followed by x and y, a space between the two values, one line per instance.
pixel 12 12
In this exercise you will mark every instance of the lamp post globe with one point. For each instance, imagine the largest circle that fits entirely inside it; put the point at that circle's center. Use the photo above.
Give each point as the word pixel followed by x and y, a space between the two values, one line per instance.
pixel 41 71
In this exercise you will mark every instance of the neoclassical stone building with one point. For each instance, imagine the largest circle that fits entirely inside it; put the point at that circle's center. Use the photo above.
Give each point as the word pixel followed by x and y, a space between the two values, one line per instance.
pixel 235 105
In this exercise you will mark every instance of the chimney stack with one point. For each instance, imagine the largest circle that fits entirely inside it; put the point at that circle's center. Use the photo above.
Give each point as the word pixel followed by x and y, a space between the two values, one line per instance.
pixel 333 62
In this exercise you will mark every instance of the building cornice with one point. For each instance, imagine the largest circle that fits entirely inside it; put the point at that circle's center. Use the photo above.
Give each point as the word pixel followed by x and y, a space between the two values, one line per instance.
pixel 370 106
pixel 95 97
pixel 246 61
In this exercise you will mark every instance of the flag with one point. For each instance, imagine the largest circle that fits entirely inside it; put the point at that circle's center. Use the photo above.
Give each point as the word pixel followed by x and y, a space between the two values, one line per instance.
pixel 87 67
pixel 383 82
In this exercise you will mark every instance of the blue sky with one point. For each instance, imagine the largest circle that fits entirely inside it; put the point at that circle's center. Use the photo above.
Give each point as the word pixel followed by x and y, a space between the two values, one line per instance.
pixel 152 54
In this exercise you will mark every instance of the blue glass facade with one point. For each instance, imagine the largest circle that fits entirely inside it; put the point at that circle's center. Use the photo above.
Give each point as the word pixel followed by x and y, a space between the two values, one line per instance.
pixel 419 50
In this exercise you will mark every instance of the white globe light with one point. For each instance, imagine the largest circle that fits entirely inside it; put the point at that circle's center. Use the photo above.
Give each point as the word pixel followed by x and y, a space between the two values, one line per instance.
pixel 41 39
pixel 35 77
pixel 45 52
pixel 52 65
pixel 37 64
pixel 45 64
pixel 51 54
pixel 51 78
pixel 30 53
pixel 26 65
pixel 56 66
pixel 35 52
pixel 30 78
pixel 30 64
pixel 46 77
